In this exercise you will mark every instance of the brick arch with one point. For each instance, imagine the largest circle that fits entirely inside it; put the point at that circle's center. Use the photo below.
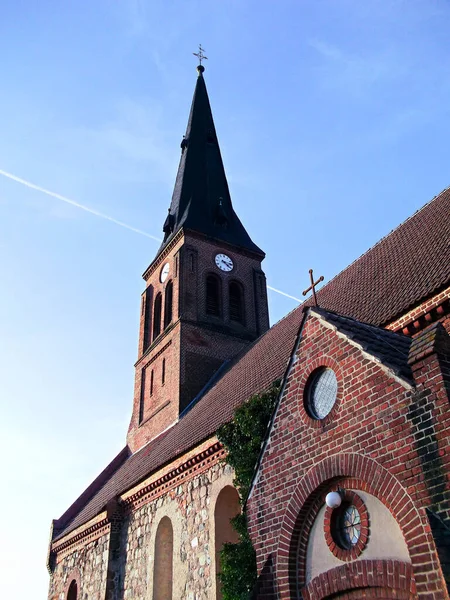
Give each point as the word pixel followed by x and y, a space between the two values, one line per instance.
pixel 382 579
pixel 374 479
pixel 74 575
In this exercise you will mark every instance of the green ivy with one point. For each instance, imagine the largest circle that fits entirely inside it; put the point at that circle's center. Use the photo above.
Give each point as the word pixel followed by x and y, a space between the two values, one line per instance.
pixel 242 438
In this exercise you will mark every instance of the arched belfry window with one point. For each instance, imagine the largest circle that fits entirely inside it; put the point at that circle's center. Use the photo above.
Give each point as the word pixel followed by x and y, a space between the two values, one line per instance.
pixel 227 507
pixel 72 594
pixel 163 566
pixel 157 316
pixel 147 305
pixel 213 296
pixel 168 301
pixel 236 299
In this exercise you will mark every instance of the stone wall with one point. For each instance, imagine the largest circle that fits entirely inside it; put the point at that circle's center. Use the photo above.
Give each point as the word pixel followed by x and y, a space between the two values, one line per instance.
pixel 88 566
pixel 190 507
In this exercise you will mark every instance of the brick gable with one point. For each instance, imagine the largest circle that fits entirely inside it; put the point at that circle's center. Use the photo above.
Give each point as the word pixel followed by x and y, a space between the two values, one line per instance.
pixel 388 435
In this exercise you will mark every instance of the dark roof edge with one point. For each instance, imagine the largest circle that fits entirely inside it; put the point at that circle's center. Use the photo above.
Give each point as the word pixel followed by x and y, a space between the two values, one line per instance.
pixel 63 521
pixel 405 380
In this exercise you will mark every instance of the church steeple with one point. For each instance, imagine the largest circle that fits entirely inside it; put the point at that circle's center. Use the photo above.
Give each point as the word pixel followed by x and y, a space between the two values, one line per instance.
pixel 205 298
pixel 201 199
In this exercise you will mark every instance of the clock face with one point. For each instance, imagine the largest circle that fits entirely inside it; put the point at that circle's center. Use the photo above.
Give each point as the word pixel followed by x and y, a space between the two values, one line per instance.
pixel 224 262
pixel 164 272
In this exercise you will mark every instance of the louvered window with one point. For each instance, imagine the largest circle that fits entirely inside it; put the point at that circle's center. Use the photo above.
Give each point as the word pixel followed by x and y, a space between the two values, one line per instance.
pixel 157 316
pixel 213 293
pixel 236 295
pixel 168 304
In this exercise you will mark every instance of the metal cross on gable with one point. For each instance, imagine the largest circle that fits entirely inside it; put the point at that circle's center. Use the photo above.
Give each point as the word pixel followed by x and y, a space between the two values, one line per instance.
pixel 313 286
pixel 200 54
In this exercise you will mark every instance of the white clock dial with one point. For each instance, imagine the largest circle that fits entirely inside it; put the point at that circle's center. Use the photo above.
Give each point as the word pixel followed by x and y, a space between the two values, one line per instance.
pixel 164 272
pixel 224 262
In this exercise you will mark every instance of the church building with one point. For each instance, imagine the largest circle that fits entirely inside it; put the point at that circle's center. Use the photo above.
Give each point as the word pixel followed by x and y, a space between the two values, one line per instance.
pixel 351 493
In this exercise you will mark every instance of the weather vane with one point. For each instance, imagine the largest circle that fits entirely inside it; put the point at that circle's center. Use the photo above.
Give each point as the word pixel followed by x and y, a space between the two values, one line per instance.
pixel 200 54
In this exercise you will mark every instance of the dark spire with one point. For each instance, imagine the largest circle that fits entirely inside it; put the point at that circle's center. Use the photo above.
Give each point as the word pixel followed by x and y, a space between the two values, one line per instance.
pixel 201 200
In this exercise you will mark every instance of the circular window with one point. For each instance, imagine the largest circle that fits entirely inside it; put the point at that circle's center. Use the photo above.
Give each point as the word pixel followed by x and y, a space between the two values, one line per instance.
pixel 346 527
pixel 321 393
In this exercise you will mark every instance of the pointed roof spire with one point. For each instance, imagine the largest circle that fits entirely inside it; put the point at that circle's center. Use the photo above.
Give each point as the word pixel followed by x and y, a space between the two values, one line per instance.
pixel 201 199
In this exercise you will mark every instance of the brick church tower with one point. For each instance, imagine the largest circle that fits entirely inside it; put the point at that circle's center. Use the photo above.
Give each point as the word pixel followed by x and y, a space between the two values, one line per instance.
pixel 205 298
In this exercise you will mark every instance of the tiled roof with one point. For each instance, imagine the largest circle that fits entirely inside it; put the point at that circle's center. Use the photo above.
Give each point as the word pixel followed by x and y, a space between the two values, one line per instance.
pixel 405 267
pixel 392 349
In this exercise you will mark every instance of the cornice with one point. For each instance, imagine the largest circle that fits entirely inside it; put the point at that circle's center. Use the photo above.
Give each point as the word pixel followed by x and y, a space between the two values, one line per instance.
pixel 226 245
pixel 195 234
pixel 421 316
pixel 150 490
pixel 200 459
pixel 84 534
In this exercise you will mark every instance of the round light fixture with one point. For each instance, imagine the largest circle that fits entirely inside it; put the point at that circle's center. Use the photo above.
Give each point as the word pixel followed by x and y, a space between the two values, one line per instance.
pixel 333 499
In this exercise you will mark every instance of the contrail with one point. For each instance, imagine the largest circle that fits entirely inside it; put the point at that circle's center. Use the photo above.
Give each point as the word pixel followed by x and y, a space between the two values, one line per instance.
pixel 92 211
pixel 76 204
pixel 283 293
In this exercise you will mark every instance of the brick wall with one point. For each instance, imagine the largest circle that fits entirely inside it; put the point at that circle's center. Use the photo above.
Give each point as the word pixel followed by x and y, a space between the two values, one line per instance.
pixel 391 439
pixel 191 349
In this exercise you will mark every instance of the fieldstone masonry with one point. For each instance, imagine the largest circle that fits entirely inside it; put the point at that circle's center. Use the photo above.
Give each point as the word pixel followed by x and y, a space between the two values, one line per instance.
pixel 88 565
pixel 190 507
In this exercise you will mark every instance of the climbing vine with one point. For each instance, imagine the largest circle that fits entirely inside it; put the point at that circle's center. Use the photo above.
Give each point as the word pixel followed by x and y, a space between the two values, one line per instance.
pixel 242 438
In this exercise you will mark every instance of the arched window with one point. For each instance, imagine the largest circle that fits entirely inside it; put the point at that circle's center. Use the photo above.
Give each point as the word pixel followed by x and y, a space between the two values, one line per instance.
pixel 147 306
pixel 157 316
pixel 168 304
pixel 236 297
pixel 72 594
pixel 227 507
pixel 213 295
pixel 142 398
pixel 163 567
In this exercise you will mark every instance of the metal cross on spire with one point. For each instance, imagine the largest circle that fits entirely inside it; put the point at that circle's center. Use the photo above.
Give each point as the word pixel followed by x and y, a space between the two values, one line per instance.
pixel 313 286
pixel 200 54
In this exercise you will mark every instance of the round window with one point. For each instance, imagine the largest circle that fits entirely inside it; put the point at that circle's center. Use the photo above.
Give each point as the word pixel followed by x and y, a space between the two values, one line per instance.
pixel 347 526
pixel 322 393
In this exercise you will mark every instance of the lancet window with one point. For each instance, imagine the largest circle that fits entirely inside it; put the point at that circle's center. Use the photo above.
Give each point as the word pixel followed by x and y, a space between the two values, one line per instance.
pixel 157 316
pixel 213 295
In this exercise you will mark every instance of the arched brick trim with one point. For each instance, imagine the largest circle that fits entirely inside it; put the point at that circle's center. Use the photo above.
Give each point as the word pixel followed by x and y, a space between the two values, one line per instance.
pixel 306 500
pixel 387 578
pixel 73 575
pixel 320 362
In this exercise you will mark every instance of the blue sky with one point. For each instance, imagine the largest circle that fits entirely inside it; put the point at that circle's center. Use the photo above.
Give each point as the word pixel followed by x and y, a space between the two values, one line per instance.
pixel 333 119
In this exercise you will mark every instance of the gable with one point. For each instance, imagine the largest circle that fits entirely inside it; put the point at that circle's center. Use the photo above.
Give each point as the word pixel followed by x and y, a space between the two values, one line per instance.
pixel 366 363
